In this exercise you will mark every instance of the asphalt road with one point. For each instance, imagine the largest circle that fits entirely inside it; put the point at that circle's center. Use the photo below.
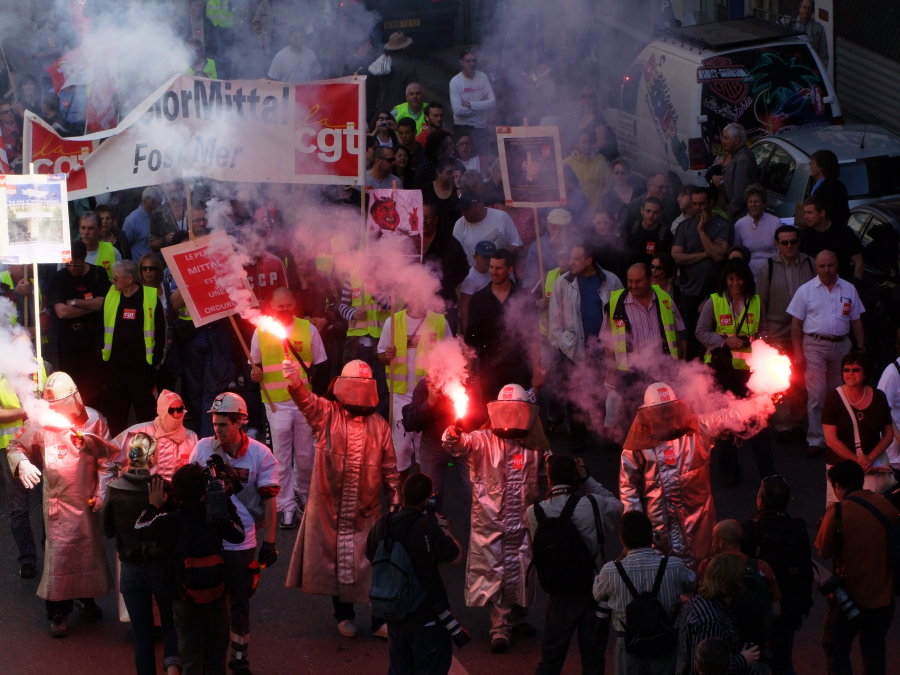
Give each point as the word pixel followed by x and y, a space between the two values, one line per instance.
pixel 293 633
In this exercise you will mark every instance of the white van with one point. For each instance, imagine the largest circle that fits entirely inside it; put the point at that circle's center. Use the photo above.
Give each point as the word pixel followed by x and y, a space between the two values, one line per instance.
pixel 689 84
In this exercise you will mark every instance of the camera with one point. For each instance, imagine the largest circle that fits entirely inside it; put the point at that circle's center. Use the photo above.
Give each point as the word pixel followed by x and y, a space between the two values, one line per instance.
pixel 384 124
pixel 459 635
pixel 432 505
pixel 834 586
pixel 221 483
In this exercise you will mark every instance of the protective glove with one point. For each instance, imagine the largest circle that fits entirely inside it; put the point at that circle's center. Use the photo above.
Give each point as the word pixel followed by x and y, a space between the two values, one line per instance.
pixel 96 503
pixel 29 474
pixel 291 372
pixel 268 556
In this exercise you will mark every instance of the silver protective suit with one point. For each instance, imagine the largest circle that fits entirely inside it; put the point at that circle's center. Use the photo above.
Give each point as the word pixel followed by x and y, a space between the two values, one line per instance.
pixel 670 481
pixel 504 483
pixel 354 463
pixel 75 564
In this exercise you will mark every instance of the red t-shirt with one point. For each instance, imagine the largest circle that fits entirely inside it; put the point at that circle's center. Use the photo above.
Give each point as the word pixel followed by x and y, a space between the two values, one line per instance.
pixel 265 275
pixel 763 568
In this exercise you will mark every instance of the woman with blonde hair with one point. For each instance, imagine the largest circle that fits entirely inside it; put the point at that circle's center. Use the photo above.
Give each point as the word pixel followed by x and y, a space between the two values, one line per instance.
pixel 143 566
pixel 708 615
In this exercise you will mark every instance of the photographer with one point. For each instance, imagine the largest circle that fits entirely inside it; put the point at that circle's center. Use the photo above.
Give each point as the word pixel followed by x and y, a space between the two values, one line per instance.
pixel 199 605
pixel 856 538
pixel 419 644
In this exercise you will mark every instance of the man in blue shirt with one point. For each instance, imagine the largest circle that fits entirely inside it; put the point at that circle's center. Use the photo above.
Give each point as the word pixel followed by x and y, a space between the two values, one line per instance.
pixel 137 225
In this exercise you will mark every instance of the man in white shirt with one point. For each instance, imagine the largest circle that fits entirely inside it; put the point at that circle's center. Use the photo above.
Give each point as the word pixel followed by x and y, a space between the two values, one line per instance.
pixel 471 96
pixel 423 328
pixel 824 311
pixel 890 385
pixel 479 223
pixel 380 176
pixel 295 63
pixel 292 439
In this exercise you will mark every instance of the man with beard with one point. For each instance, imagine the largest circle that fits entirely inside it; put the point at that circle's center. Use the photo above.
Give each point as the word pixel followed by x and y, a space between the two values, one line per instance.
pixel 354 461
pixel 381 176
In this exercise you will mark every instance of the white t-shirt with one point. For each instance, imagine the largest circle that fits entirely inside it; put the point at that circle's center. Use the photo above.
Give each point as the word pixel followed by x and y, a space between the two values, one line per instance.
pixel 890 385
pixel 257 468
pixel 496 227
pixel 474 282
pixel 288 66
pixel 478 93
pixel 412 326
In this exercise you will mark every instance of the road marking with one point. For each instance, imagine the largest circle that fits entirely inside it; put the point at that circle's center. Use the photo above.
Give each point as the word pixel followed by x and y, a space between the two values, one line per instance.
pixel 456 668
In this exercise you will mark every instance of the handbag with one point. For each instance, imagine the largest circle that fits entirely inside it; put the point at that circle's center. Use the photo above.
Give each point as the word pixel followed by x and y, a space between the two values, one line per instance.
pixel 720 358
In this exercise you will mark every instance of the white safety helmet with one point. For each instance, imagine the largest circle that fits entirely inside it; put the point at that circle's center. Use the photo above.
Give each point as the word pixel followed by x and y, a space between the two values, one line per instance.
pixel 356 387
pixel 514 412
pixel 62 395
pixel 229 403
pixel 657 394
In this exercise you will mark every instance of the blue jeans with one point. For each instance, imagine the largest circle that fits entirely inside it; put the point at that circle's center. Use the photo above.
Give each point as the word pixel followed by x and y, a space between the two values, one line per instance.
pixel 139 584
pixel 19 518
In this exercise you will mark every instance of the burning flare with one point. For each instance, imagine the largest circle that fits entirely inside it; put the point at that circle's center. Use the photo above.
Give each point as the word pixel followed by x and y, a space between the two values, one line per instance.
pixel 457 393
pixel 770 370
pixel 270 325
pixel 54 420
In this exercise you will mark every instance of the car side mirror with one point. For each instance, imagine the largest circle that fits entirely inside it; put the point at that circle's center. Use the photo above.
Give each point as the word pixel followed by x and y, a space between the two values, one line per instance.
pixel 613 99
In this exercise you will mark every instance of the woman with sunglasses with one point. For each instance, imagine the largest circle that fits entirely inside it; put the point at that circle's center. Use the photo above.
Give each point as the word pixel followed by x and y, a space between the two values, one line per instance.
pixel 662 274
pixel 727 325
pixel 865 438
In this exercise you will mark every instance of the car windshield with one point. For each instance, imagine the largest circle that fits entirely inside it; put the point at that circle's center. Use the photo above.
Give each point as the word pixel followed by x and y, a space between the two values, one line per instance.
pixel 872 178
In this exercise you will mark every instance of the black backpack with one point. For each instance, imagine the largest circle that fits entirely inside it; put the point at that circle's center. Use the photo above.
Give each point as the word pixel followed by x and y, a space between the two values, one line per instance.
pixel 783 542
pixel 893 537
pixel 649 631
pixel 752 607
pixel 564 563
pixel 395 592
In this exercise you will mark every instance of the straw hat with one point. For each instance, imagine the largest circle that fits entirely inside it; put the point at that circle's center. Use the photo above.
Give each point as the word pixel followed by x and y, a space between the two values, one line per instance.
pixel 397 42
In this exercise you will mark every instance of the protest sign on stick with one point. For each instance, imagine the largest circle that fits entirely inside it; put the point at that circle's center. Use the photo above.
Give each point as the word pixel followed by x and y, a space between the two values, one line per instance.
pixel 531 165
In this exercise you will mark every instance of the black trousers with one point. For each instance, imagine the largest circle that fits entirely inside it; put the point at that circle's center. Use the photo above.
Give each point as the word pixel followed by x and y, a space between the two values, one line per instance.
pixel 781 642
pixel 426 650
pixel 837 638
pixel 202 636
pixel 60 607
pixel 125 386
pixel 567 614
pixel 760 445
pixel 343 611
pixel 239 580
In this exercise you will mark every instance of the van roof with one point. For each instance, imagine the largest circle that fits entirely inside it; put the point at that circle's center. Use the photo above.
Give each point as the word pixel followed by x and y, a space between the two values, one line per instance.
pixel 844 141
pixel 749 30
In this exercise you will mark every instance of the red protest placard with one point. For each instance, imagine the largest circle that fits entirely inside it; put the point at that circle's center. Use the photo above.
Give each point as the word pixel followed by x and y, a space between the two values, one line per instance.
pixel 203 270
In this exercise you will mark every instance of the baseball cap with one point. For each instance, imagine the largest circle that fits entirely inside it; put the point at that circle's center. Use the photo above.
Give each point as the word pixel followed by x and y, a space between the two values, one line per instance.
pixel 468 198
pixel 559 217
pixel 485 248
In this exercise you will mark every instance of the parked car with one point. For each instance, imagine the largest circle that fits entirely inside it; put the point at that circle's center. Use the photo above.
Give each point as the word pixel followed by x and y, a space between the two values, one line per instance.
pixel 869 157
pixel 687 86
pixel 877 224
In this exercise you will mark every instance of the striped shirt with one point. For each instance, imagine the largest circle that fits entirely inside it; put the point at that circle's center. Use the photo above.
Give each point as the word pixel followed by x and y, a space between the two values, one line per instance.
pixel 645 331
pixel 346 309
pixel 703 619
pixel 641 566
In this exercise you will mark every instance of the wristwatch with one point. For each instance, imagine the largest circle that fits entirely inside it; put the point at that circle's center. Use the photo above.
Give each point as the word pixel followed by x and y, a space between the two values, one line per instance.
pixel 72 301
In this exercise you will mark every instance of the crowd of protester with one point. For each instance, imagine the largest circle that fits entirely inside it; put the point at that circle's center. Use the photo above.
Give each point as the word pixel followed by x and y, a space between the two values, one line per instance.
pixel 633 275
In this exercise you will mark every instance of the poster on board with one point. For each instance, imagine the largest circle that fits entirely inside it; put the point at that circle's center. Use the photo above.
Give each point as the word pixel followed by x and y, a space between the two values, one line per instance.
pixel 34 219
pixel 532 168
pixel 396 213
pixel 199 268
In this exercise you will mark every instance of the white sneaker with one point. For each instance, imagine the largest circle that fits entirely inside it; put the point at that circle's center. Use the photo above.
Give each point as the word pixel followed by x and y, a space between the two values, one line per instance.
pixel 382 632
pixel 347 628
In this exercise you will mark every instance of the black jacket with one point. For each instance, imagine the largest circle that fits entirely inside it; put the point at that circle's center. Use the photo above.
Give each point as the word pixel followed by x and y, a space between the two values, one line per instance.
pixel 126 499
pixel 835 193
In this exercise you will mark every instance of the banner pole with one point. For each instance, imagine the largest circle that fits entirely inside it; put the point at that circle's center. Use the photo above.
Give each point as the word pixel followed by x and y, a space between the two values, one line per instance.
pixel 187 206
pixel 262 386
pixel 37 325
pixel 391 380
pixel 537 242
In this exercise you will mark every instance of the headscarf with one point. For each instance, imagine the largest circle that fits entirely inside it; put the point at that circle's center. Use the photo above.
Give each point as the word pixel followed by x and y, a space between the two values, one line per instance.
pixel 166 425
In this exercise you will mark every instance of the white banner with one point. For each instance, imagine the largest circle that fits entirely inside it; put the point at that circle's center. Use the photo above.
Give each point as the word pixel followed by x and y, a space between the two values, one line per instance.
pixel 34 220
pixel 230 130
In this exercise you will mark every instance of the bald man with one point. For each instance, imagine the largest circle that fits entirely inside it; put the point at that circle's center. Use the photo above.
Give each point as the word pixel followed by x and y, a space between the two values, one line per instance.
pixel 824 311
pixel 292 439
pixel 727 538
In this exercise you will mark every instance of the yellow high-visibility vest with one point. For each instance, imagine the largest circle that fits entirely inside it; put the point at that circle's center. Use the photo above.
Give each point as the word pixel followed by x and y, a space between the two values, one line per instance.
pixel 110 309
pixel 373 324
pixel 402 110
pixel 544 321
pixel 220 14
pixel 273 354
pixel 432 332
pixel 9 401
pixel 619 325
pixel 726 324
pixel 106 256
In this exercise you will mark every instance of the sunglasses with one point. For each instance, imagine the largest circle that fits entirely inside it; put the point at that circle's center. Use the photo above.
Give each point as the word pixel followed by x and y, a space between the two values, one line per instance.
pixel 789 242
pixel 852 370
pixel 388 159
pixel 8 111
pixel 657 267
pixel 147 268
pixel 175 411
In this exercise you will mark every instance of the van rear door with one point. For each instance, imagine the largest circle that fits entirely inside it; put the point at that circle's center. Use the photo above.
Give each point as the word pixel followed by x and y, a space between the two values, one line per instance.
pixel 765 89
pixel 627 133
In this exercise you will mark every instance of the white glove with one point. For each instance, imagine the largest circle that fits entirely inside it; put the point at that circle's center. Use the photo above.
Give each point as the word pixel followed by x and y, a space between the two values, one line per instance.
pixel 291 372
pixel 29 474
pixel 97 503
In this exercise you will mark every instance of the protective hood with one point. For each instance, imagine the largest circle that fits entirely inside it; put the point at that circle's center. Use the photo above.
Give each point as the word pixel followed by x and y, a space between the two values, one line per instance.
pixel 356 393
pixel 660 423
pixel 165 425
pixel 62 395
pixel 512 419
